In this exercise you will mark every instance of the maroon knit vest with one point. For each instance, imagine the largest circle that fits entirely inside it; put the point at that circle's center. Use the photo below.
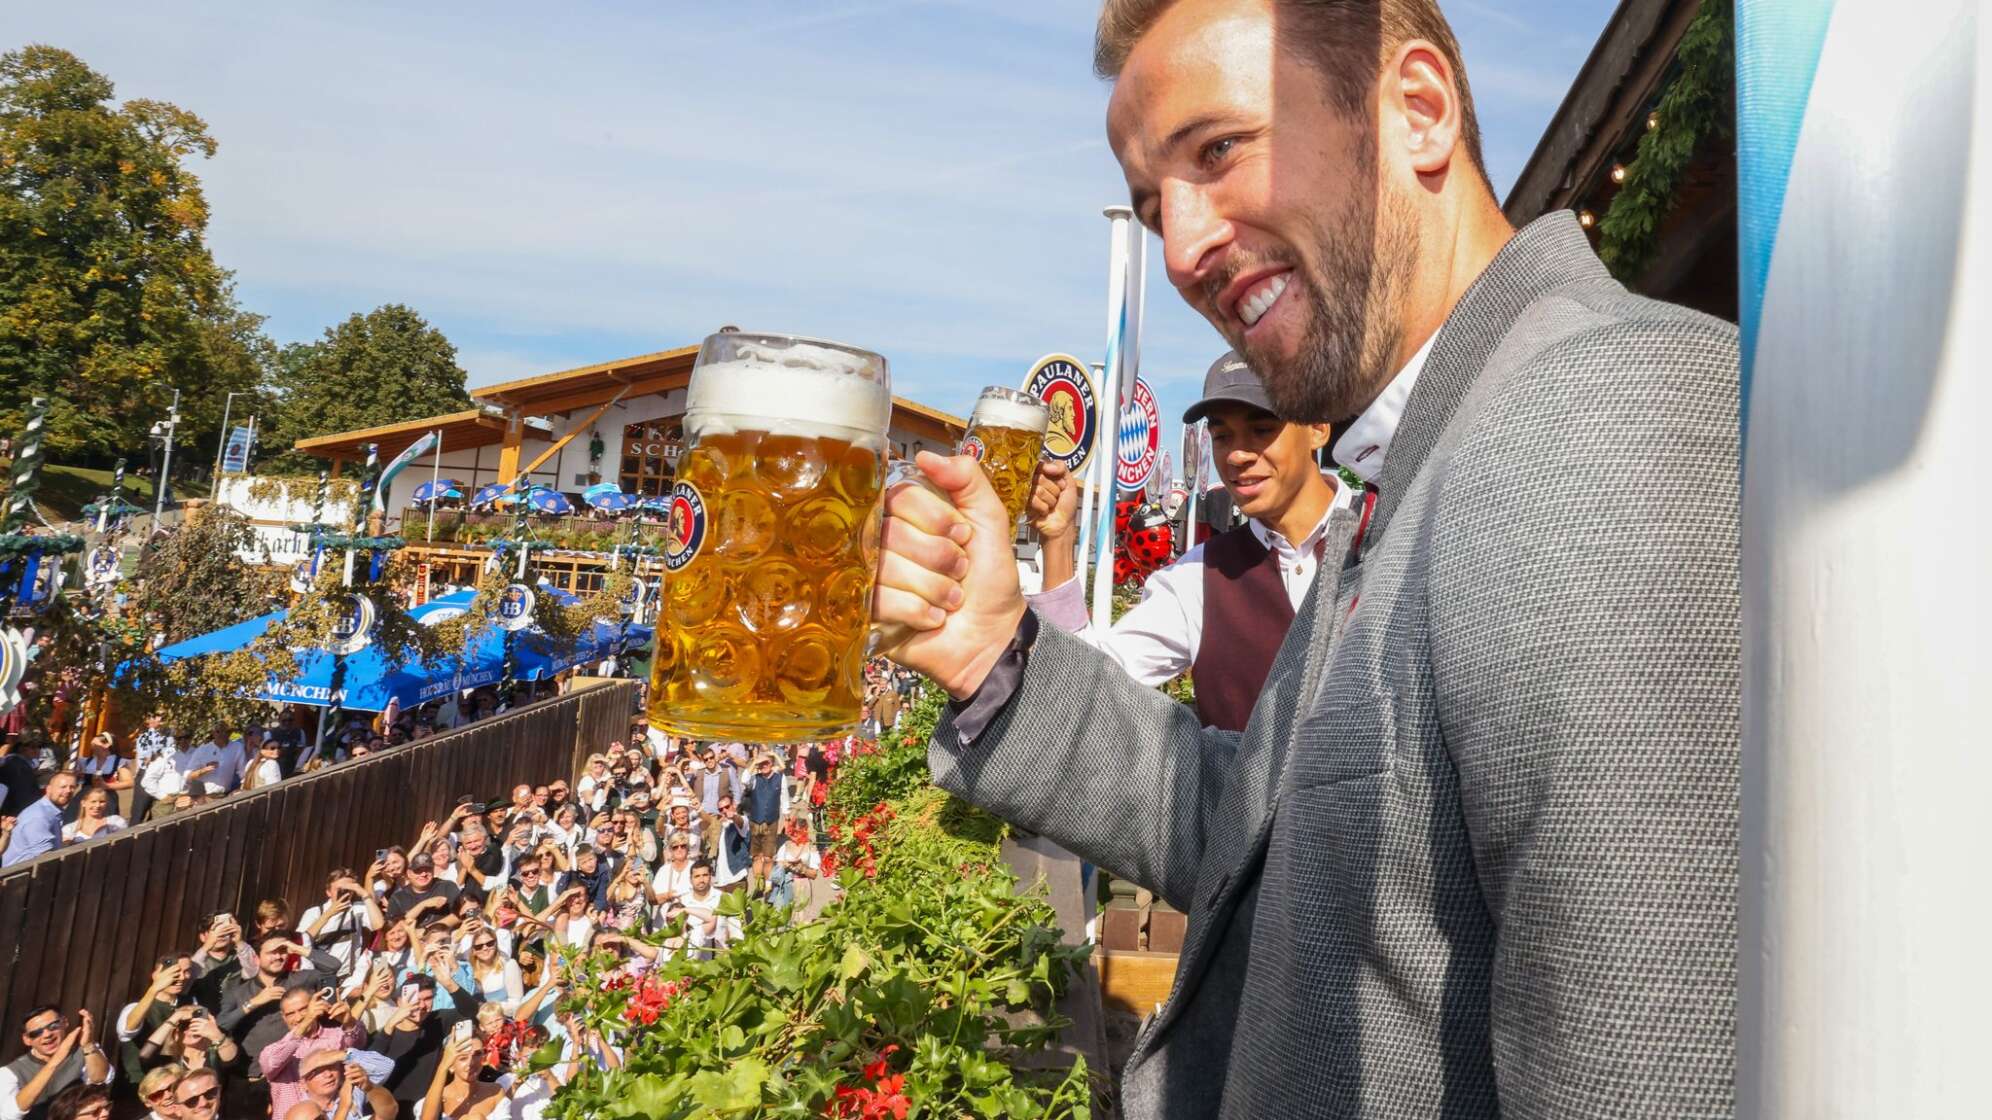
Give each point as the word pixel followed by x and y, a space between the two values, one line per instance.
pixel 1246 616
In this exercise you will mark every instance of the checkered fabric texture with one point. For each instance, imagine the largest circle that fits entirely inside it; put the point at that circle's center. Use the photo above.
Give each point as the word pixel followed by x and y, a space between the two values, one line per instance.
pixel 1475 854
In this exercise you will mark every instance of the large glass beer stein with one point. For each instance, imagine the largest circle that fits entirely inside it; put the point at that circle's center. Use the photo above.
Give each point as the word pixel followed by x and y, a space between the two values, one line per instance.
pixel 771 542
pixel 1006 435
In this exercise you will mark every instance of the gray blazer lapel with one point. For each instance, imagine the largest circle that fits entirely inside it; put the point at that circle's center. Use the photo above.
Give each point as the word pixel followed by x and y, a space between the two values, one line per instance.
pixel 1546 254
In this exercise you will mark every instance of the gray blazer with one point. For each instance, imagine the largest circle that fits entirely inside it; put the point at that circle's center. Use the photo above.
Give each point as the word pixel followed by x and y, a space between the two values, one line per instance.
pixel 1475 853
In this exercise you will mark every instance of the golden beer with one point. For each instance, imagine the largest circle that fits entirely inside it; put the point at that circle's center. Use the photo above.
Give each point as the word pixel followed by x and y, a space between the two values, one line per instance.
pixel 771 543
pixel 1006 435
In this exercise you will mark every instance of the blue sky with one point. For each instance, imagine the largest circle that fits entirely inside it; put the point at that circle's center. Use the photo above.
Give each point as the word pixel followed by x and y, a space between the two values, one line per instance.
pixel 556 185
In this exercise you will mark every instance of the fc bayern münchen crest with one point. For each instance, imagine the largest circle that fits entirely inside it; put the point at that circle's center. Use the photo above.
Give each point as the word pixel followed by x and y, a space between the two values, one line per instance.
pixel 685 527
pixel 1065 386
pixel 1140 439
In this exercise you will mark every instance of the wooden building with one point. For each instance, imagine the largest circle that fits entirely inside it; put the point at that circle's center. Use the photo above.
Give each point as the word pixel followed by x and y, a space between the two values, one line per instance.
pixel 1594 137
pixel 617 422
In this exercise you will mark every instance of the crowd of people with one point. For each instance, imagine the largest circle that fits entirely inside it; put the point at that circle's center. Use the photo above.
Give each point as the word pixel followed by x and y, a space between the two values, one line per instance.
pixel 411 986
pixel 161 770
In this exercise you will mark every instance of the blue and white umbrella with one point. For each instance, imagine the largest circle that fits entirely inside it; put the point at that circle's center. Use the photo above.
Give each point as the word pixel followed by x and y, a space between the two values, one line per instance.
pixel 441 488
pixel 549 501
pixel 489 494
pixel 612 501
pixel 600 488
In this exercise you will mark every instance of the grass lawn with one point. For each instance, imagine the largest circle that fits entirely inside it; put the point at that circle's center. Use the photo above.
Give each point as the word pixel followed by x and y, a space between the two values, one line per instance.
pixel 64 491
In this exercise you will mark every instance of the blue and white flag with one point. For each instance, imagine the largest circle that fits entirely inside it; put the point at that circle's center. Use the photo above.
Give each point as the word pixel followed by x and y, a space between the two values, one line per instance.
pixel 1864 156
pixel 400 463
pixel 235 456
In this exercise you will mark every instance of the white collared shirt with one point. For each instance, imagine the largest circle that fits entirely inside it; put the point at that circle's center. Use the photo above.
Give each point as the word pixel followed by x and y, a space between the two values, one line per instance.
pixel 1159 637
pixel 1362 447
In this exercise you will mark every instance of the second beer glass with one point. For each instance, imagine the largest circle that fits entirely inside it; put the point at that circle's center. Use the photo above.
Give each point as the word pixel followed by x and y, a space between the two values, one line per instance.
pixel 1006 435
pixel 772 542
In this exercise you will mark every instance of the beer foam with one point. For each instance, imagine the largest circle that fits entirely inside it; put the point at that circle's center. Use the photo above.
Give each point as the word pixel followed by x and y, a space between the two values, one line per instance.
pixel 998 412
pixel 798 396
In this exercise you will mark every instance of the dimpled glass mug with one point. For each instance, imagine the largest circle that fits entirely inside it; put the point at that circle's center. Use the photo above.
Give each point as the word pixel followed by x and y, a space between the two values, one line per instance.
pixel 771 542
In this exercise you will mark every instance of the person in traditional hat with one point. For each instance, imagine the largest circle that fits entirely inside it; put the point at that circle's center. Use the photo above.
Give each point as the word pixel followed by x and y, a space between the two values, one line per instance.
pixel 1244 583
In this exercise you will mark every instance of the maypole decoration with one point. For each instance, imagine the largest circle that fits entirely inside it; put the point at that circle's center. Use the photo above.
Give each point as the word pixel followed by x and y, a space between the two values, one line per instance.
pixel 25 583
pixel 351 633
pixel 1126 269
pixel 1864 213
pixel 515 609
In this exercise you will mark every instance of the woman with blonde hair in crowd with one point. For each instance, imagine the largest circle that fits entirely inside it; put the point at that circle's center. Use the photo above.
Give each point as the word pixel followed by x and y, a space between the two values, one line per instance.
pixel 494 977
pixel 94 817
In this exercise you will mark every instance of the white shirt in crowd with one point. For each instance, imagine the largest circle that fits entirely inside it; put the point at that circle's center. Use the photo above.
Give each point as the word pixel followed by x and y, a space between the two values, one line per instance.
pixel 673 880
pixel 267 772
pixel 348 949
pixel 71 833
pixel 165 776
pixel 10 1087
pixel 791 852
pixel 228 761
pixel 1159 637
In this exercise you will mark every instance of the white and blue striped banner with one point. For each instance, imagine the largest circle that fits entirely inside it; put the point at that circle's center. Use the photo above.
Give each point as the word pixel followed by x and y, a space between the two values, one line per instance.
pixel 1864 150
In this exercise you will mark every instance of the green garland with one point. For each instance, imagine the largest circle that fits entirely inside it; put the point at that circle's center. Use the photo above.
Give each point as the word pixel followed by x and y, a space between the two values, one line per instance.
pixel 1695 106
pixel 52 544
pixel 286 488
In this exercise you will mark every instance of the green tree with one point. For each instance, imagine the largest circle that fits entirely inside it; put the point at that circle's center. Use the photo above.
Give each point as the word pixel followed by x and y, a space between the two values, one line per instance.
pixel 191 582
pixel 109 297
pixel 382 367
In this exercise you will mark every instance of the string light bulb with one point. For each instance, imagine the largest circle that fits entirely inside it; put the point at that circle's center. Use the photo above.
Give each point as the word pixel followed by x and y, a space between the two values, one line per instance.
pixel 1586 219
pixel 1618 173
pixel 1652 121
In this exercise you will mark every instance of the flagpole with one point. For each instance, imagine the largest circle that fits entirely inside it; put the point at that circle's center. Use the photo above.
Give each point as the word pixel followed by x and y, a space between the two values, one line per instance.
pixel 1193 473
pixel 435 474
pixel 1119 256
pixel 1087 486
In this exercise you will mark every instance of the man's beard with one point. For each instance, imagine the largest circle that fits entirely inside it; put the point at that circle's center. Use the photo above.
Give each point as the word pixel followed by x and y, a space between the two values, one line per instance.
pixel 1353 321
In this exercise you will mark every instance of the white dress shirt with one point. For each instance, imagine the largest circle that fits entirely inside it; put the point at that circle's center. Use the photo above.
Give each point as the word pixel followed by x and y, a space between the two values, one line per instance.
pixel 165 776
pixel 1158 638
pixel 1362 447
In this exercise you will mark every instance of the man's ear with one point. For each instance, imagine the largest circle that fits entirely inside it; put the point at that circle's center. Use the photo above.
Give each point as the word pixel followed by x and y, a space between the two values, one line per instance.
pixel 1420 88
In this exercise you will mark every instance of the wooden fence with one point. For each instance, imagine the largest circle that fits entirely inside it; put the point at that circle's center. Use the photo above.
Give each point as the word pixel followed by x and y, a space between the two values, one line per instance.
pixel 82 926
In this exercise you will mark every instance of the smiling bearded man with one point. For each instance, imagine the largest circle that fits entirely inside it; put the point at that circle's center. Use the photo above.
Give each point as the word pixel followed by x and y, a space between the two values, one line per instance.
pixel 1474 852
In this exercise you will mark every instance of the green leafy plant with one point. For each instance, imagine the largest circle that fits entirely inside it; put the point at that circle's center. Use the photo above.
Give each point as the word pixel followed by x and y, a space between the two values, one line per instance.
pixel 1696 105
pixel 921 991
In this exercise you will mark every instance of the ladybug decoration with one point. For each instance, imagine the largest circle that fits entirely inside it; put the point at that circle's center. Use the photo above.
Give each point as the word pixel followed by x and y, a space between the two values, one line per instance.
pixel 1123 514
pixel 1146 542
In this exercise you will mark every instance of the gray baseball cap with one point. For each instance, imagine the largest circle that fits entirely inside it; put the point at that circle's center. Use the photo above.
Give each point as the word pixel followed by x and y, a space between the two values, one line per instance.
pixel 1229 381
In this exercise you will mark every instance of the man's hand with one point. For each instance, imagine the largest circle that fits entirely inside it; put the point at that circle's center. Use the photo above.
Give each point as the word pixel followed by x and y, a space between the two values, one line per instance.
pixel 270 994
pixel 1054 504
pixel 166 976
pixel 948 575
pixel 356 1078
pixel 86 1028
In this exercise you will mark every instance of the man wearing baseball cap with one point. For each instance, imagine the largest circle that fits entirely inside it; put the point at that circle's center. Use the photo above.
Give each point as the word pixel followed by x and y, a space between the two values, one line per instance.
pixel 1244 583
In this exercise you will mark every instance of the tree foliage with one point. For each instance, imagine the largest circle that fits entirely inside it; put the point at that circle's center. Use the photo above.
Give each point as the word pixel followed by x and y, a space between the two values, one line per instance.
pixel 109 297
pixel 382 367
pixel 194 584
